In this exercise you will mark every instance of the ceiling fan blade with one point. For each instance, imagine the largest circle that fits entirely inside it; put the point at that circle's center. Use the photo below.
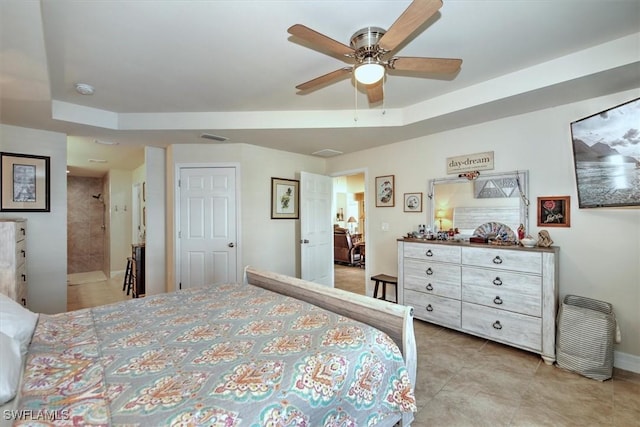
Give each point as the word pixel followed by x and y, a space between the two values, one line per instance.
pixel 324 80
pixel 425 65
pixel 320 40
pixel 375 92
pixel 418 12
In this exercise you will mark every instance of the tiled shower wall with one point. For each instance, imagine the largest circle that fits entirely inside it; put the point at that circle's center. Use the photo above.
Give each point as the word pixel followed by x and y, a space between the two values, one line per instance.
pixel 85 225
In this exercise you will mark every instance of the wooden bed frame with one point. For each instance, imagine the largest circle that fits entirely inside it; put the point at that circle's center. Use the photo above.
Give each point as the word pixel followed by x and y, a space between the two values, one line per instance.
pixel 393 319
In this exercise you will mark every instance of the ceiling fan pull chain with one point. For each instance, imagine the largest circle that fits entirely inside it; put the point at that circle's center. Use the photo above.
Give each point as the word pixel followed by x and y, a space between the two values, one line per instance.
pixel 355 98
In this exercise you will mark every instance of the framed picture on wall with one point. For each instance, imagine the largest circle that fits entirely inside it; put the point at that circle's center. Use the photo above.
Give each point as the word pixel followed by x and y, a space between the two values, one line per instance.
pixel 413 202
pixel 385 191
pixel 285 202
pixel 25 183
pixel 554 211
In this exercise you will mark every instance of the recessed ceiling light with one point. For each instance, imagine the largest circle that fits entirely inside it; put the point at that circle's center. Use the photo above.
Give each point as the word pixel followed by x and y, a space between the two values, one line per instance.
pixel 84 89
pixel 97 161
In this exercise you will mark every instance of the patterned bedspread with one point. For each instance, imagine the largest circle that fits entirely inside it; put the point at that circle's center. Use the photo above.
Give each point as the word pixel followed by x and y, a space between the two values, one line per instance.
pixel 226 355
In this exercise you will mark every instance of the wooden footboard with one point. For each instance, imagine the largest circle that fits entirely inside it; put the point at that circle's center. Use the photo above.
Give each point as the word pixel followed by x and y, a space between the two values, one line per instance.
pixel 393 319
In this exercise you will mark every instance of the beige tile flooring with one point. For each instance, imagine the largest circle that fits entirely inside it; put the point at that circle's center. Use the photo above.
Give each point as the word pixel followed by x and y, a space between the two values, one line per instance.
pixel 468 381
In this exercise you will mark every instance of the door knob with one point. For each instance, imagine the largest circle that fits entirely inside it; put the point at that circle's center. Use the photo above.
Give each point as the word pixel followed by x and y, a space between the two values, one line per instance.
pixel 304 241
pixel 231 245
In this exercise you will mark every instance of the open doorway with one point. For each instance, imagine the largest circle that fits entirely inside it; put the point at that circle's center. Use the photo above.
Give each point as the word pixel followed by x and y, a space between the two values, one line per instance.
pixel 349 218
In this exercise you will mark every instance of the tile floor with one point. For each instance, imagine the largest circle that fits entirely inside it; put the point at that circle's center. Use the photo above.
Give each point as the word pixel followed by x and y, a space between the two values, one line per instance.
pixel 468 381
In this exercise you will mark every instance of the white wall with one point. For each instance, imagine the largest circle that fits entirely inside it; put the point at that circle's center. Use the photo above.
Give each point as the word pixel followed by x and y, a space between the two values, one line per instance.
pixel 156 220
pixel 119 219
pixel 599 253
pixel 47 231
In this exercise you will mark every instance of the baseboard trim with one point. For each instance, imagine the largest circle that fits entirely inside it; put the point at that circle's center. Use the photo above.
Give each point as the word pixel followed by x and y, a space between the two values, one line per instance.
pixel 626 361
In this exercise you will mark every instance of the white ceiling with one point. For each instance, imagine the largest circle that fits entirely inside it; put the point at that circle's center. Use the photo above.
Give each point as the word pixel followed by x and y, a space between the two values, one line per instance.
pixel 167 71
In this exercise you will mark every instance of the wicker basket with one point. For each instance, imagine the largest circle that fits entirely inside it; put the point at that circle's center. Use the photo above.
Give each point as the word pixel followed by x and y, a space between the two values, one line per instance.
pixel 586 333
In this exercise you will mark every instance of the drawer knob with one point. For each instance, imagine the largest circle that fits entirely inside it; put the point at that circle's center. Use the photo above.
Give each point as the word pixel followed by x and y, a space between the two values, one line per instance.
pixel 24 277
pixel 497 325
pixel 429 253
pixel 429 287
pixel 429 271
pixel 24 232
pixel 429 308
pixel 24 253
pixel 497 260
pixel 497 300
pixel 497 281
pixel 24 302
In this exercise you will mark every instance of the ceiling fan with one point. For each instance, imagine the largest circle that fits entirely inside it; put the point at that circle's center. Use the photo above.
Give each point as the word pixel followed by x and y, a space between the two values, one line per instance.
pixel 370 48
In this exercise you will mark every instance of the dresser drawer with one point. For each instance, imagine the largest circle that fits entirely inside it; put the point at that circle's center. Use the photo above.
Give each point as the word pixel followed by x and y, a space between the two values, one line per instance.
pixel 432 252
pixel 520 293
pixel 440 310
pixel 432 278
pixel 20 231
pixel 504 326
pixel 503 259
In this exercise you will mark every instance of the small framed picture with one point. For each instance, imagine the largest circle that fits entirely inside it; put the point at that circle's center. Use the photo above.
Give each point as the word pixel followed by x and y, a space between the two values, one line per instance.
pixel 24 183
pixel 554 211
pixel 385 191
pixel 413 202
pixel 285 202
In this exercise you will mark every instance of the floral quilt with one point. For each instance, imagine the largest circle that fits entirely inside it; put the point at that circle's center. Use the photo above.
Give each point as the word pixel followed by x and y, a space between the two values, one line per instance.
pixel 223 355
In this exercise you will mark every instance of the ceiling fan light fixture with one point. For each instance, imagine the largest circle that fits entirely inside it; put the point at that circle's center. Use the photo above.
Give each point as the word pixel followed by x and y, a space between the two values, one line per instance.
pixel 369 72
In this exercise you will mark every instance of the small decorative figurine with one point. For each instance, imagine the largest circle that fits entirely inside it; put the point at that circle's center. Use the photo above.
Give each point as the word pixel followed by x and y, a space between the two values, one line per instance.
pixel 521 232
pixel 544 239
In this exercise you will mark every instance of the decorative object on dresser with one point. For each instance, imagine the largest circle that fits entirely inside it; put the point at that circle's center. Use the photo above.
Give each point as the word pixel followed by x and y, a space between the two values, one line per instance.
pixel 507 294
pixel 385 191
pixel 554 211
pixel 413 202
pixel 24 183
pixel 606 159
pixel 13 259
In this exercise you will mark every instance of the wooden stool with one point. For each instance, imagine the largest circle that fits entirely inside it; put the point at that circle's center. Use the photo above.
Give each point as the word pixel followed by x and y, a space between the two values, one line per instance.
pixel 385 279
pixel 128 276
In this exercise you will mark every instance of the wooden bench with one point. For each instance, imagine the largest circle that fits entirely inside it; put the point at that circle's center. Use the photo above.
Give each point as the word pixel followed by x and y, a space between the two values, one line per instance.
pixel 385 279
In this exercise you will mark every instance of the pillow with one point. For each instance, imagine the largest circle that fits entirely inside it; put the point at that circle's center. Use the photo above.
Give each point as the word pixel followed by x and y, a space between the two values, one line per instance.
pixel 17 322
pixel 9 368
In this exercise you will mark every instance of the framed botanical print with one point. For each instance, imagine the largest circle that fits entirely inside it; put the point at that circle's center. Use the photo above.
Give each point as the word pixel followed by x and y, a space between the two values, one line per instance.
pixel 285 202
pixel 554 211
pixel 385 191
pixel 413 202
pixel 25 183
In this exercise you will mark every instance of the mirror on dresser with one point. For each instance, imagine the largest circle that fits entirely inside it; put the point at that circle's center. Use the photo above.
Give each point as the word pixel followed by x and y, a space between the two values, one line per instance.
pixel 466 204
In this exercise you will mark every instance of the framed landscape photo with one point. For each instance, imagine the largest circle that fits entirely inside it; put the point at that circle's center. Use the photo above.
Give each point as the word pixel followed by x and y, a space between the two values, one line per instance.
pixel 24 183
pixel 285 202
pixel 385 191
pixel 606 154
pixel 413 202
pixel 554 211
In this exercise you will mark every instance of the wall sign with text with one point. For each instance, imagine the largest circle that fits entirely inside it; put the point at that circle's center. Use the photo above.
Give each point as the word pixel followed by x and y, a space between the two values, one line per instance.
pixel 470 162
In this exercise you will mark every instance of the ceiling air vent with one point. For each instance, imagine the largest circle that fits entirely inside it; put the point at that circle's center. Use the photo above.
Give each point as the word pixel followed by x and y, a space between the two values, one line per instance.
pixel 327 152
pixel 214 137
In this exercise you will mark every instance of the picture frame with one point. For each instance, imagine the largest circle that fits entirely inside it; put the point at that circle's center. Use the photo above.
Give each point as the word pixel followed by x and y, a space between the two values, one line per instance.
pixel 285 198
pixel 606 157
pixel 554 211
pixel 25 183
pixel 413 202
pixel 385 191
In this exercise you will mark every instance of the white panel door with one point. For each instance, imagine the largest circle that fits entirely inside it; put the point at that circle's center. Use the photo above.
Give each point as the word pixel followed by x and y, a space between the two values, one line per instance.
pixel 316 230
pixel 207 234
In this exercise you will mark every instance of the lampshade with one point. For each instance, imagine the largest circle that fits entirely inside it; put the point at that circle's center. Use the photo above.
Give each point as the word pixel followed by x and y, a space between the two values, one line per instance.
pixel 352 219
pixel 369 72
pixel 440 214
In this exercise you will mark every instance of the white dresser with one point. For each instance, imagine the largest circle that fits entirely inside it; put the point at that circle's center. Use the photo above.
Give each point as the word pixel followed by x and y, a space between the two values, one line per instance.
pixel 507 294
pixel 13 259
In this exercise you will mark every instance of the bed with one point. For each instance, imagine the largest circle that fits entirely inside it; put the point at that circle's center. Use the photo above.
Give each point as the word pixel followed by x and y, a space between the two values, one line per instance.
pixel 274 350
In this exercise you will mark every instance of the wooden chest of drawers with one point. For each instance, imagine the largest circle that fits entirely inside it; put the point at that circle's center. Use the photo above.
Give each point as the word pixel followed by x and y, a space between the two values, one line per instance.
pixel 13 259
pixel 503 293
